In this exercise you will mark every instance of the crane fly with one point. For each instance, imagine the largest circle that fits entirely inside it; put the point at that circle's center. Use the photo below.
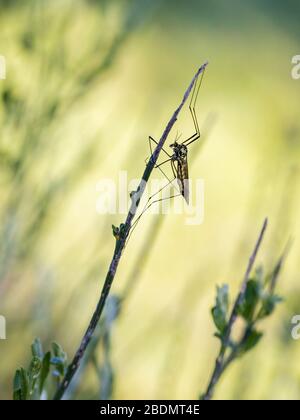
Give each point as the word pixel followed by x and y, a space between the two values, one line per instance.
pixel 179 156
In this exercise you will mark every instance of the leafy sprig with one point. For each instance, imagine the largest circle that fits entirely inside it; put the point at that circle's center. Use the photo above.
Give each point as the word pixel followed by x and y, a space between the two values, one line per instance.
pixel 30 384
pixel 256 301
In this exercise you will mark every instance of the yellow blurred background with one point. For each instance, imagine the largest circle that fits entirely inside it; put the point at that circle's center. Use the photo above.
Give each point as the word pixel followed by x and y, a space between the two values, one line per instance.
pixel 87 82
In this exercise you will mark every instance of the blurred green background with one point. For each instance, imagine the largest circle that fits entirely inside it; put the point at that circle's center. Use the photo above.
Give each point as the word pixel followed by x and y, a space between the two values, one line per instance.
pixel 87 82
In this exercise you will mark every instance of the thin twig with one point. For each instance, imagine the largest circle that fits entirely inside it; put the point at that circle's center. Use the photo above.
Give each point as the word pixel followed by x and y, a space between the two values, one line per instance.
pixel 120 245
pixel 134 276
pixel 219 368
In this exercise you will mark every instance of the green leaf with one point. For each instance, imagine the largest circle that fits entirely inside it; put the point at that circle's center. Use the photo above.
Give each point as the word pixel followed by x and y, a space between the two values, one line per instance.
pixel 17 393
pixel 116 231
pixel 58 351
pixel 251 298
pixel 45 370
pixel 37 349
pixel 251 340
pixel 24 384
pixel 59 365
pixel 33 374
pixel 59 360
pixel 34 368
pixel 21 385
pixel 220 310
pixel 17 396
pixel 269 303
pixel 29 385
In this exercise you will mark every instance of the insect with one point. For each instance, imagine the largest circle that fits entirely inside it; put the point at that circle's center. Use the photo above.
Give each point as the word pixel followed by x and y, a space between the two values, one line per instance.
pixel 179 156
pixel 178 159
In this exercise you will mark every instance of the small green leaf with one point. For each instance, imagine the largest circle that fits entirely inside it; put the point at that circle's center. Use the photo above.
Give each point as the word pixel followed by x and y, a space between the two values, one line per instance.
pixel 59 352
pixel 116 231
pixel 220 310
pixel 29 385
pixel 252 339
pixel 17 393
pixel 269 303
pixel 37 349
pixel 59 360
pixel 24 384
pixel 34 368
pixel 17 396
pixel 59 365
pixel 21 385
pixel 250 300
pixel 45 370
pixel 33 374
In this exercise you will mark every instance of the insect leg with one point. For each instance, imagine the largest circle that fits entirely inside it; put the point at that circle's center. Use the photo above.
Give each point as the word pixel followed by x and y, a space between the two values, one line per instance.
pixel 148 205
pixel 192 106
pixel 157 192
pixel 151 150
pixel 166 176
pixel 134 225
pixel 158 166
pixel 161 164
pixel 164 162
pixel 154 202
pixel 150 145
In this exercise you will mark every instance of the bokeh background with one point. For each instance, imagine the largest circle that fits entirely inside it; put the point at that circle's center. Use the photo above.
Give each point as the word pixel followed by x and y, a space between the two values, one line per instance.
pixel 87 82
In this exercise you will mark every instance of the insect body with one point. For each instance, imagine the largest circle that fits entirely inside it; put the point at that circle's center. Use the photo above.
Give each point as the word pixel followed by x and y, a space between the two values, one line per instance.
pixel 179 164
